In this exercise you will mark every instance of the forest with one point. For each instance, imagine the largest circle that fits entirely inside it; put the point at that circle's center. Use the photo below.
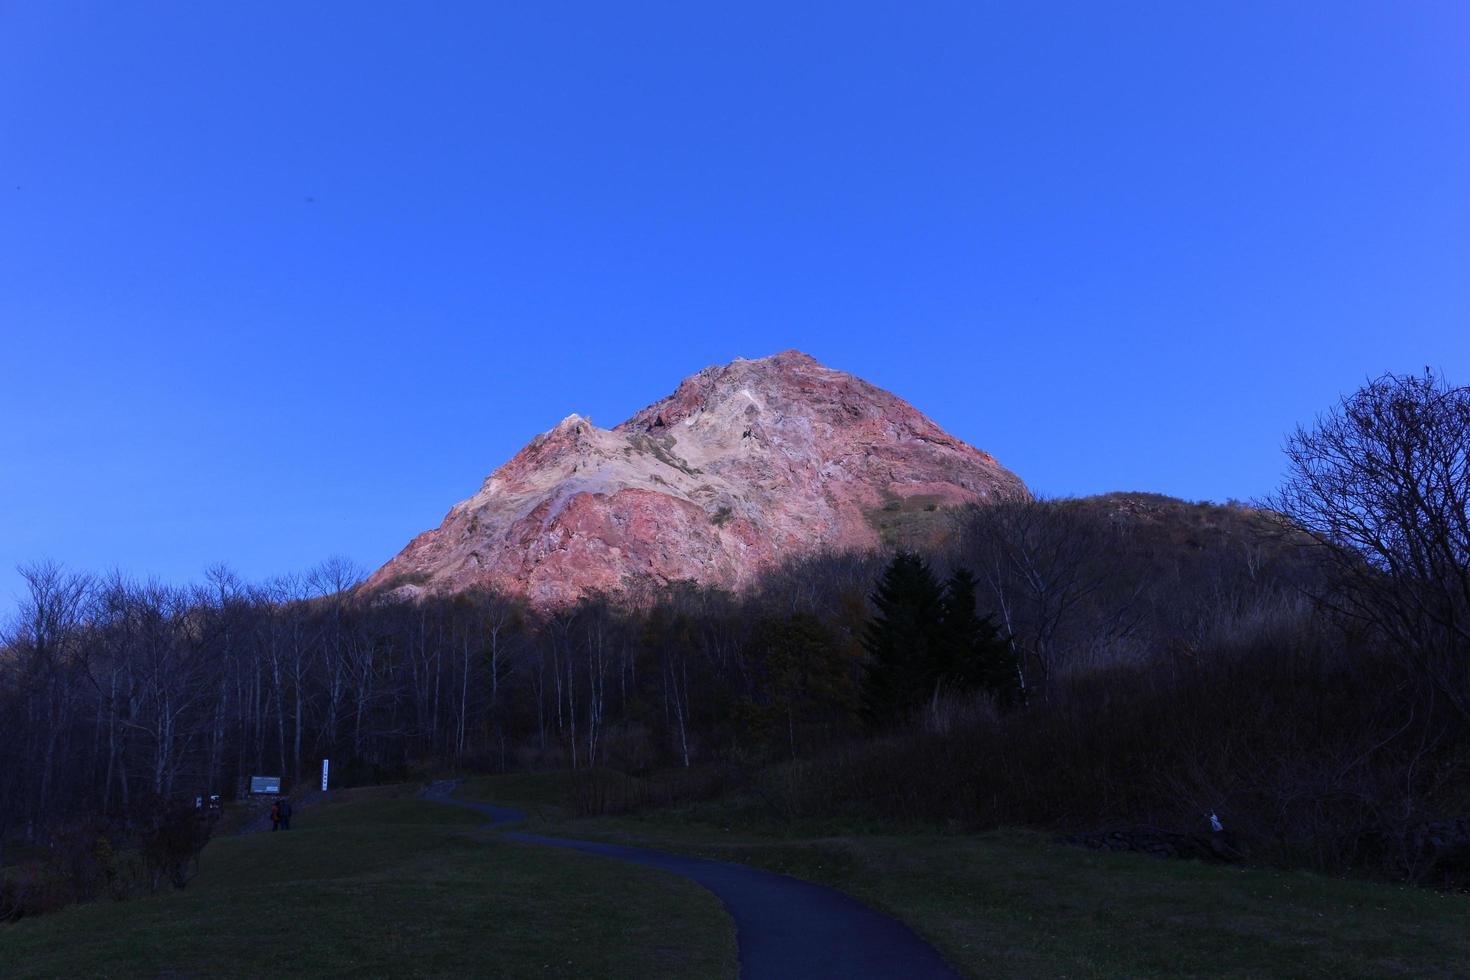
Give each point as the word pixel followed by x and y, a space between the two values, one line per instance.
pixel 1294 670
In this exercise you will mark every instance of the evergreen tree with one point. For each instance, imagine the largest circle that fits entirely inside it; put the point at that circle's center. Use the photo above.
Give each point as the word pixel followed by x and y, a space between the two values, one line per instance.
pixel 927 637
pixel 974 656
pixel 903 640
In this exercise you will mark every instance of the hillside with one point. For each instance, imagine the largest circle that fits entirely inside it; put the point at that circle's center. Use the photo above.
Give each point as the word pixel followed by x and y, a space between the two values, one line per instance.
pixel 744 465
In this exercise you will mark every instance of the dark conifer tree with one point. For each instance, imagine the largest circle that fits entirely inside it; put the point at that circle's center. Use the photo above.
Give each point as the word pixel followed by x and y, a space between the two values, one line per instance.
pixel 974 656
pixel 903 640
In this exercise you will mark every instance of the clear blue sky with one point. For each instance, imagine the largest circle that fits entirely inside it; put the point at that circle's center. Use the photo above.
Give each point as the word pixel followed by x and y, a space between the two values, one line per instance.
pixel 281 281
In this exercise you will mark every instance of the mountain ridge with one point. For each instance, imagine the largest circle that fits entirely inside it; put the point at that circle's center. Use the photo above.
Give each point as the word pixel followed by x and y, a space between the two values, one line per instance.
pixel 742 465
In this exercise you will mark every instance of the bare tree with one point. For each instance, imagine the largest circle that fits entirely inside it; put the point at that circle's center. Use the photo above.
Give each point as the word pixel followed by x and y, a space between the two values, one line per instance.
pixel 1381 485
pixel 47 661
pixel 501 621
pixel 333 580
pixel 334 576
pixel 1039 559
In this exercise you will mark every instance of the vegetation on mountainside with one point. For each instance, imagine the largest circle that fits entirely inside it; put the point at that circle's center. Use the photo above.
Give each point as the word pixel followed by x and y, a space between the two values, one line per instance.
pixel 661 447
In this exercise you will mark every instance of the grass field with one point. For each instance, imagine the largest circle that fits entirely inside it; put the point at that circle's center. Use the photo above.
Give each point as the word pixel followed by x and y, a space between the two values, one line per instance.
pixel 1011 904
pixel 385 887
pixel 379 886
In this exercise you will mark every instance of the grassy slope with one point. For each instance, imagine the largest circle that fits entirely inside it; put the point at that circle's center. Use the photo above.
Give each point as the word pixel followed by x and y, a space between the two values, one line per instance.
pixel 1016 905
pixel 389 887
pixel 1166 526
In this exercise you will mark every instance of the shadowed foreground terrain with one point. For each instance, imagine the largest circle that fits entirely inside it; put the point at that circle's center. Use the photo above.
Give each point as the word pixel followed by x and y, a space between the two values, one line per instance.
pixel 381 886
pixel 1015 904
pixel 388 888
pixel 785 927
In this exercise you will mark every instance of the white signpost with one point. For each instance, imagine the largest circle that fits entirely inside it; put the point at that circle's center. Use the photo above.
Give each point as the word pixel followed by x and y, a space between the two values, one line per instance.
pixel 324 774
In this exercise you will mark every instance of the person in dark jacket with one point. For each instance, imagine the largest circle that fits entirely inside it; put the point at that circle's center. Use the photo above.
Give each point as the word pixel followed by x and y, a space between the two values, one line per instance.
pixel 285 814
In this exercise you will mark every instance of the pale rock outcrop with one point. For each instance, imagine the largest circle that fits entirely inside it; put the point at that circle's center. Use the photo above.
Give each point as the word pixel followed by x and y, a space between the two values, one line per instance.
pixel 743 465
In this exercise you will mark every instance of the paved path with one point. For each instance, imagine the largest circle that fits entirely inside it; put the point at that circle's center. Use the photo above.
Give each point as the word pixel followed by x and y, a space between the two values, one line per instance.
pixel 785 928
pixel 262 820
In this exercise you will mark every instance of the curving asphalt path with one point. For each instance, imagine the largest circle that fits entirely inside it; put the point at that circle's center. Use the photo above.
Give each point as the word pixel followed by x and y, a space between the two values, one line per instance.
pixel 785 928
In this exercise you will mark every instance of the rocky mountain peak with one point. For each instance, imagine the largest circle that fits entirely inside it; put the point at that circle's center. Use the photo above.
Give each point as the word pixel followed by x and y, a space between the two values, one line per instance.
pixel 741 466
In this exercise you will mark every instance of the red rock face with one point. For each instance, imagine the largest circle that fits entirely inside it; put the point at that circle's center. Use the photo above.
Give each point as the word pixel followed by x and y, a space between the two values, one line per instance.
pixel 742 466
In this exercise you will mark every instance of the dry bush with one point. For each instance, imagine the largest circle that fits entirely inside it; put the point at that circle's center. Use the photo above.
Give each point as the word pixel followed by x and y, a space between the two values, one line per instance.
pixel 79 861
pixel 600 792
pixel 1311 753
pixel 176 834
pixel 952 711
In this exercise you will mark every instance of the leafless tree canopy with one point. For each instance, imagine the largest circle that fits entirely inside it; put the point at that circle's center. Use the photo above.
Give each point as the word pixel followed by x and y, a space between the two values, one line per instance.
pixel 1382 485
pixel 1040 561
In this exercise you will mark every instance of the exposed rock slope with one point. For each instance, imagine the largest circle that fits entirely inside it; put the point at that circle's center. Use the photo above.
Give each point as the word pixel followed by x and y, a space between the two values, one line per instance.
pixel 743 465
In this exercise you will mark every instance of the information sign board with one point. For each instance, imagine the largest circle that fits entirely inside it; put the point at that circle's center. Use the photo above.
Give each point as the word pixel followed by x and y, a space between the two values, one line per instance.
pixel 265 784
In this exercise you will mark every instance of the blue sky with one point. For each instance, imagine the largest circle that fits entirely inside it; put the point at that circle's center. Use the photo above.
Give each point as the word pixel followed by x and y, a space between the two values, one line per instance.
pixel 282 281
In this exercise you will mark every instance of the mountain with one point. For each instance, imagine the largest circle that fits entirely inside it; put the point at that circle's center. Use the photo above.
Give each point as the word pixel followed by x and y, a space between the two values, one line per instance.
pixel 743 465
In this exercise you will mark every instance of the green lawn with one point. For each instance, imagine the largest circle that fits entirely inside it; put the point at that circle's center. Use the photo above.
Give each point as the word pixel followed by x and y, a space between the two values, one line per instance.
pixel 1011 904
pixel 383 887
pixel 397 887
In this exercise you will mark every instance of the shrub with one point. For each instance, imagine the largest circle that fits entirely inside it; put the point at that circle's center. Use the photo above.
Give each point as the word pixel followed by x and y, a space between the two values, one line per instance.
pixel 172 845
pixel 1298 742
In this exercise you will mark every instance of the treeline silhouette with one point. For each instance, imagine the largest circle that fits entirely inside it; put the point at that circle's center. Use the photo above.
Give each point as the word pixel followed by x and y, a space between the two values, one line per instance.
pixel 112 691
pixel 113 688
pixel 1127 661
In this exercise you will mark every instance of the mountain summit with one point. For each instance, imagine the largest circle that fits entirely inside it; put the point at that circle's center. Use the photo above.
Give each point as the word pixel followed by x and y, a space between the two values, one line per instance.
pixel 743 465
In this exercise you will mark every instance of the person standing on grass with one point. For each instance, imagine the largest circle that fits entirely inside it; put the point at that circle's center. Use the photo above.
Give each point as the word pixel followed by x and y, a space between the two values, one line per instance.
pixel 285 814
pixel 276 816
